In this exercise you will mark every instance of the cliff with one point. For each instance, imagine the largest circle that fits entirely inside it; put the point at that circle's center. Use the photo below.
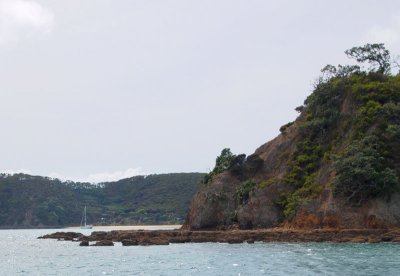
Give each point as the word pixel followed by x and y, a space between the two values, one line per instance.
pixel 336 166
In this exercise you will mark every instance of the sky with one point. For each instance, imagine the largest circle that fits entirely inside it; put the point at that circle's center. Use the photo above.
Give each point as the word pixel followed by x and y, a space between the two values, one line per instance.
pixel 98 90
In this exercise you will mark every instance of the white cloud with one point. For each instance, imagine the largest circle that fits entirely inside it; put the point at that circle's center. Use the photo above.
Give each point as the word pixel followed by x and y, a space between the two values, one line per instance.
pixel 113 176
pixel 21 19
pixel 92 178
pixel 16 171
pixel 388 34
pixel 102 177
pixel 59 176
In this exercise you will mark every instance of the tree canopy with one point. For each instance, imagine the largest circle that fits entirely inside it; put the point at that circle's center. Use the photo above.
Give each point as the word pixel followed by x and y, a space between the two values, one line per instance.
pixel 375 54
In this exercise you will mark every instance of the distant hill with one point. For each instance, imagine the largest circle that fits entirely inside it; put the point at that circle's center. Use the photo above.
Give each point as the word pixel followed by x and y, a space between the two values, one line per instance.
pixel 35 201
pixel 336 166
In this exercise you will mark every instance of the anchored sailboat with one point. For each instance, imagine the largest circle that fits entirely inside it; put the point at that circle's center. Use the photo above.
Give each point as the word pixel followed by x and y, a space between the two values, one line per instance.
pixel 83 220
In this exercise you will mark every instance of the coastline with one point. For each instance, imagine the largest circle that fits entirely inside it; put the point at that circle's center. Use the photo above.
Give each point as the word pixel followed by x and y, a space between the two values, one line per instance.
pixel 138 227
pixel 121 227
pixel 29 227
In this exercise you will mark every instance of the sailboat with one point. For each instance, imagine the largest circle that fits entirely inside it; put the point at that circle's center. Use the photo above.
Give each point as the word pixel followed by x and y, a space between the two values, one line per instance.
pixel 83 220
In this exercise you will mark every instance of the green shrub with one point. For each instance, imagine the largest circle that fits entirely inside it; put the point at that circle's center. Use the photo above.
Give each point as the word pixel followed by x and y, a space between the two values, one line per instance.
pixel 266 183
pixel 244 190
pixel 310 190
pixel 284 127
pixel 362 172
pixel 225 161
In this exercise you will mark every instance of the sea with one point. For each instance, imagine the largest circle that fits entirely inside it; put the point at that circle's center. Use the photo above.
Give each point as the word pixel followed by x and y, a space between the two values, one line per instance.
pixel 21 253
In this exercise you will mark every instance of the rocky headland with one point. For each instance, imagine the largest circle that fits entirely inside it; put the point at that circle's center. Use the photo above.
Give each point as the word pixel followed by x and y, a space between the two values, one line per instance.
pixel 336 166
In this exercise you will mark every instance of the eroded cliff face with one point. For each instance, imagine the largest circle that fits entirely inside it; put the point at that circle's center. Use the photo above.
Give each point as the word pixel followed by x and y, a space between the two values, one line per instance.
pixel 216 204
pixel 276 200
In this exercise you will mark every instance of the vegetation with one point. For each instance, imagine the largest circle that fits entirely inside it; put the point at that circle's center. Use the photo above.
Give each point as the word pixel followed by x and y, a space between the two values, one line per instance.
pixel 34 201
pixel 266 183
pixel 244 190
pixel 284 127
pixel 362 172
pixel 309 190
pixel 225 161
pixel 363 140
pixel 375 54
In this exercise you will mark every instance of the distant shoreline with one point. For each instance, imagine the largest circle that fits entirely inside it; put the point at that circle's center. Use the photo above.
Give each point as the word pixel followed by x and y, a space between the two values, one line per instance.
pixel 177 226
pixel 29 227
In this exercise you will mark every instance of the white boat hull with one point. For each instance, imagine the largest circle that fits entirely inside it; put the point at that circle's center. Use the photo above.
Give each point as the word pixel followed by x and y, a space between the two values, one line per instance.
pixel 87 227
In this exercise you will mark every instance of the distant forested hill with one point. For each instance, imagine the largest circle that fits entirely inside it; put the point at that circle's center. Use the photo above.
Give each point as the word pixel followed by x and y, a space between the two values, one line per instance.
pixel 35 201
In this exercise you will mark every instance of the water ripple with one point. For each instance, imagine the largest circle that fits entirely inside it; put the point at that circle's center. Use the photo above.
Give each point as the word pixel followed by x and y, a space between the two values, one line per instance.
pixel 23 254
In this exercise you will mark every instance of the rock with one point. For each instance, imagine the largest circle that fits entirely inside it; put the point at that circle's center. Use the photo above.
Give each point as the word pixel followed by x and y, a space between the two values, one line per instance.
pixel 154 241
pixel 68 236
pixel 165 237
pixel 98 235
pixel 358 240
pixel 234 241
pixel 179 240
pixel 83 238
pixel 84 243
pixel 387 237
pixel 396 239
pixel 374 240
pixel 104 243
pixel 130 242
pixel 213 207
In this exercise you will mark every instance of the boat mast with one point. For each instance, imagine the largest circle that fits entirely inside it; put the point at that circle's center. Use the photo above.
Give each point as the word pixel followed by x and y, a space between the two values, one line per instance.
pixel 85 215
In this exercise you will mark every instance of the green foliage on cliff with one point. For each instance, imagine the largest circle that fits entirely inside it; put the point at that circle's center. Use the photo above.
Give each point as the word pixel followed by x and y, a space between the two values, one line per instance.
pixel 283 128
pixel 32 201
pixel 369 166
pixel 309 190
pixel 226 160
pixel 354 117
pixel 363 172
pixel 244 190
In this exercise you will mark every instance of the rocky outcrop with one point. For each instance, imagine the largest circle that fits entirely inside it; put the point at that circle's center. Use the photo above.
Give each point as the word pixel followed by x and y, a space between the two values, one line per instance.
pixel 67 236
pixel 104 243
pixel 216 206
pixel 165 237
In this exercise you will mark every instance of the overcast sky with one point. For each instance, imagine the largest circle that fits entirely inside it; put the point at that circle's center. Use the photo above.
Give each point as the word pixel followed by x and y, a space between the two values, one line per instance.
pixel 104 89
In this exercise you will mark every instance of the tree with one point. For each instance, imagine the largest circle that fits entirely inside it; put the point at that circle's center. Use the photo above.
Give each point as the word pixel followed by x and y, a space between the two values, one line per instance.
pixel 361 173
pixel 224 162
pixel 375 54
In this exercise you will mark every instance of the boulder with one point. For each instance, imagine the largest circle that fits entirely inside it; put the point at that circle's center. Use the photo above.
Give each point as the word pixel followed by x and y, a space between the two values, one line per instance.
pixel 154 241
pixel 68 236
pixel 104 243
pixel 84 243
pixel 129 242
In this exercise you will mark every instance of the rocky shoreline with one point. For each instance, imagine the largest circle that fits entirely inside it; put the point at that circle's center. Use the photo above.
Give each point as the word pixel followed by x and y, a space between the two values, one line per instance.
pixel 165 237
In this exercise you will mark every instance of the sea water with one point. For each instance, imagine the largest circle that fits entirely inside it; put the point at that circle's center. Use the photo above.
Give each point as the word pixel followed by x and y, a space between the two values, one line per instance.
pixel 23 254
